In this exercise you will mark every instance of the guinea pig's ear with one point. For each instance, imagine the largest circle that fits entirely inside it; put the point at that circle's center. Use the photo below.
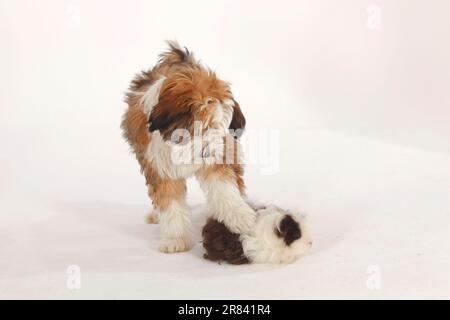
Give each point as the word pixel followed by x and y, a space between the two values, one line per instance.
pixel 238 121
pixel 288 230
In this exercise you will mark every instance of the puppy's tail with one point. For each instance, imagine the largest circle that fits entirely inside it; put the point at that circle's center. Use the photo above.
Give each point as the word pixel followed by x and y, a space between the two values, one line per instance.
pixel 175 54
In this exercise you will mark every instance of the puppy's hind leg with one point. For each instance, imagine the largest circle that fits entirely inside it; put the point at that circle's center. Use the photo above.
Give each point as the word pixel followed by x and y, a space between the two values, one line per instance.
pixel 152 217
pixel 174 214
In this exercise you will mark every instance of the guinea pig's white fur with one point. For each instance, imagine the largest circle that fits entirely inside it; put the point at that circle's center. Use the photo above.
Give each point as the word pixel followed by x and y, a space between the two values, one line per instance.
pixel 263 245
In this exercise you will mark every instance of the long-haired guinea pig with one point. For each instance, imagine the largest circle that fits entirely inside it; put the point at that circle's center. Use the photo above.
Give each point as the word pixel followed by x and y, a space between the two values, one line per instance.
pixel 279 236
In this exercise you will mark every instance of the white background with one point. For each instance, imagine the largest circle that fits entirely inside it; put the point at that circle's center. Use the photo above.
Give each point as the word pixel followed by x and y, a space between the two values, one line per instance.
pixel 363 117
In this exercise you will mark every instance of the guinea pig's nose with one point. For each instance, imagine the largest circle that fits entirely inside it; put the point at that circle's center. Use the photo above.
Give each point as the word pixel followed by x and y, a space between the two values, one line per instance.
pixel 310 243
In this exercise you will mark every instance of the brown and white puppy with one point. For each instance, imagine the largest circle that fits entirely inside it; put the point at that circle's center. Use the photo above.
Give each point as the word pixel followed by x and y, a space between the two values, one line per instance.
pixel 172 107
pixel 279 236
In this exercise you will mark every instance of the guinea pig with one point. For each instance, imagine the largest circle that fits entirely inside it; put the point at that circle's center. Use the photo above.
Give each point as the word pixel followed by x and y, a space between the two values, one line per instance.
pixel 278 236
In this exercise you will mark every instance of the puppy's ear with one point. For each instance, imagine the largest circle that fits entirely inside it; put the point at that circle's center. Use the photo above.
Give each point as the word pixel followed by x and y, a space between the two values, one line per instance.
pixel 238 121
pixel 166 120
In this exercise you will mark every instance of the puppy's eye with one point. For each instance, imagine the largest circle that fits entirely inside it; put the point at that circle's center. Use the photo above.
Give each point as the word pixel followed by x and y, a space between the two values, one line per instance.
pixel 210 101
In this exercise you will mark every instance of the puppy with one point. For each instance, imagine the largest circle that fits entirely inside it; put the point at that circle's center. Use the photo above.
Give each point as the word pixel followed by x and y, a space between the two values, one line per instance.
pixel 279 236
pixel 183 121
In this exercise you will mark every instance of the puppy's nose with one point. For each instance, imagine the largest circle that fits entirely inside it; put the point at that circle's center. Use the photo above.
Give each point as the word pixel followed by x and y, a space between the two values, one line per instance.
pixel 310 243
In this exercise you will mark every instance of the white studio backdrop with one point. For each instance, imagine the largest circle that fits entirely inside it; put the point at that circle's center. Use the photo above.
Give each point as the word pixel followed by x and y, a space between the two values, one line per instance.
pixel 379 68
pixel 358 90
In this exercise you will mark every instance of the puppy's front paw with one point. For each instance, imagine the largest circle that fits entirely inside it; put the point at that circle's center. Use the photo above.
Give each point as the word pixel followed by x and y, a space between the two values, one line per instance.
pixel 173 245
pixel 242 222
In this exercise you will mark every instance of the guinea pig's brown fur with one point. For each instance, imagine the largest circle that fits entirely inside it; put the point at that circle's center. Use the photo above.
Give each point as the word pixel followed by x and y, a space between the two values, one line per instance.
pixel 221 244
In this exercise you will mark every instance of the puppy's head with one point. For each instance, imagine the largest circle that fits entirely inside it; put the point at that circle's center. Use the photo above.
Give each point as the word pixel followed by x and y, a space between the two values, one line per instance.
pixel 189 94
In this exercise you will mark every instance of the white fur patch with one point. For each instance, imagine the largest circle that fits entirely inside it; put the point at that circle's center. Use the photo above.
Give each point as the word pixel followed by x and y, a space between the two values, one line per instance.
pixel 227 205
pixel 217 134
pixel 264 246
pixel 183 160
pixel 150 97
pixel 172 161
pixel 175 225
pixel 223 115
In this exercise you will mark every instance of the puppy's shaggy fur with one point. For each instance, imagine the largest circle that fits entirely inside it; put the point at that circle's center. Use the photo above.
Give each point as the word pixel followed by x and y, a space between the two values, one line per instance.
pixel 169 107
pixel 279 236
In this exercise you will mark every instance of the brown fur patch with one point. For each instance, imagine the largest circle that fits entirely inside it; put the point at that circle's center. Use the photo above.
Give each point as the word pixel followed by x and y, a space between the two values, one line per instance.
pixel 164 191
pixel 134 126
pixel 289 230
pixel 228 172
pixel 221 244
pixel 182 99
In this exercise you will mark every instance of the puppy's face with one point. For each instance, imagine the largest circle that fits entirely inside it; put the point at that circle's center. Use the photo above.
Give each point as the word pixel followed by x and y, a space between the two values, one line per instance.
pixel 194 95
